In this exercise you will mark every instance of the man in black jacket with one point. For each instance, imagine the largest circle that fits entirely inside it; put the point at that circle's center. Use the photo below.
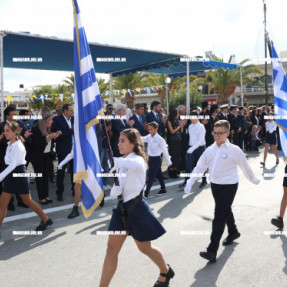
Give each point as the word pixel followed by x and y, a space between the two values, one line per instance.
pixel 64 123
pixel 156 116
pixel 235 128
pixel 243 125
pixel 140 121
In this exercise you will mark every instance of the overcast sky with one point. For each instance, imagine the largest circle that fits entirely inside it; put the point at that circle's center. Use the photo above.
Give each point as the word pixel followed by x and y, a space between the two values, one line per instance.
pixel 182 26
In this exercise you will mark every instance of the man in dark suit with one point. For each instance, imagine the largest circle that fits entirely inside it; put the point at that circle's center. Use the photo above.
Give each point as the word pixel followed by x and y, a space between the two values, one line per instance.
pixel 140 120
pixel 64 123
pixel 235 128
pixel 156 116
pixel 243 124
pixel 118 125
pixel 222 115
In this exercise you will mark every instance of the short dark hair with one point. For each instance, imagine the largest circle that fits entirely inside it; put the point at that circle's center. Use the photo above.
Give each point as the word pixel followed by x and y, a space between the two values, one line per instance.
pixel 222 124
pixel 153 124
pixel 154 104
pixel 137 106
pixel 66 107
pixel 194 113
pixel 23 112
pixel 8 110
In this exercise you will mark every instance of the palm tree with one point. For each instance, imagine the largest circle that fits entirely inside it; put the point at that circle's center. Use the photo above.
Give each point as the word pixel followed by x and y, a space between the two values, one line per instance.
pixel 224 82
pixel 69 81
pixel 159 82
pixel 103 87
pixel 130 81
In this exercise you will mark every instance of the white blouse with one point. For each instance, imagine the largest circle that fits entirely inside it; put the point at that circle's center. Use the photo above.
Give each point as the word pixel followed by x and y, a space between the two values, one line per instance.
pixel 15 156
pixel 134 167
pixel 270 127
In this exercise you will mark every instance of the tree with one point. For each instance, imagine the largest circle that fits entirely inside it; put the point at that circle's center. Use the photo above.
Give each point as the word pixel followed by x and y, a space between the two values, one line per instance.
pixel 103 87
pixel 159 81
pixel 70 82
pixel 224 82
pixel 130 81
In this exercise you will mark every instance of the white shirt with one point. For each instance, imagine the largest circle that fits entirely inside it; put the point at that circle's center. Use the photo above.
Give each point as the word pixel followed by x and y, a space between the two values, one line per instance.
pixel 128 114
pixel 15 156
pixel 156 145
pixel 222 163
pixel 270 127
pixel 196 136
pixel 68 122
pixel 134 167
pixel 48 147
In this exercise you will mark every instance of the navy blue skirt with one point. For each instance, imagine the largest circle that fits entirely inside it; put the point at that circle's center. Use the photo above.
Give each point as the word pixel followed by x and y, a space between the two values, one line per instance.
pixel 285 177
pixel 16 185
pixel 142 224
pixel 271 138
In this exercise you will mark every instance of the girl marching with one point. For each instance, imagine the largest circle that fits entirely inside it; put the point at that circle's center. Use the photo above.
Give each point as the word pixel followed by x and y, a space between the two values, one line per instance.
pixel 15 161
pixel 141 223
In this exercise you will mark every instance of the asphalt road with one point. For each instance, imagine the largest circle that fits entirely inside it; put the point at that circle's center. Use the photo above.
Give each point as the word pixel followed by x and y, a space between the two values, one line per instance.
pixel 71 252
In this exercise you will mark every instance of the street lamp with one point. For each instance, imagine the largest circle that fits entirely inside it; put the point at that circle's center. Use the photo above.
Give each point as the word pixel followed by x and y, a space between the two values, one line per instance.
pixel 167 81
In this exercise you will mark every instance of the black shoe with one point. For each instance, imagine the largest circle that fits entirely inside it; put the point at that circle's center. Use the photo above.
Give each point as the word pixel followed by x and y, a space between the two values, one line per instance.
pixel 60 197
pixel 262 163
pixel 11 207
pixel 43 202
pixel 102 202
pixel 208 255
pixel 43 225
pixel 230 238
pixel 22 204
pixel 49 200
pixel 277 162
pixel 182 185
pixel 161 192
pixel 170 274
pixel 74 213
pixel 278 222
pixel 203 184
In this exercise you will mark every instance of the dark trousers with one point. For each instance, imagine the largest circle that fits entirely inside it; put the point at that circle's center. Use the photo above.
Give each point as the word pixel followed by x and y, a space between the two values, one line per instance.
pixel 224 195
pixel 154 163
pixel 240 139
pixel 192 159
pixel 42 183
pixel 61 174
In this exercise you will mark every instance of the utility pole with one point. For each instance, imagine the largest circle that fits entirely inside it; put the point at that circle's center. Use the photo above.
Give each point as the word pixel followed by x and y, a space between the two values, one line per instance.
pixel 265 46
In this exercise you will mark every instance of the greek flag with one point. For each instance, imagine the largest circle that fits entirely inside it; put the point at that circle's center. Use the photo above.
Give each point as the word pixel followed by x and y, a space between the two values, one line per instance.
pixel 88 105
pixel 280 98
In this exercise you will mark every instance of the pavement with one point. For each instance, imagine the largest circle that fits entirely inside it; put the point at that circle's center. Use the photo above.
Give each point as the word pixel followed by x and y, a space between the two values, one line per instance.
pixel 71 251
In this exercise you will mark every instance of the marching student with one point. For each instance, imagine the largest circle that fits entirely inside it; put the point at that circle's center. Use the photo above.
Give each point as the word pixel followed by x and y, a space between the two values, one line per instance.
pixel 156 146
pixel 140 223
pixel 196 146
pixel 270 138
pixel 222 158
pixel 278 222
pixel 15 159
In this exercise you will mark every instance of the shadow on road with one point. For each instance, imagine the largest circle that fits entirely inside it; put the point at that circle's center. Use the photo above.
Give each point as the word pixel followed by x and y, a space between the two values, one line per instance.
pixel 176 205
pixel 208 275
pixel 284 247
pixel 19 245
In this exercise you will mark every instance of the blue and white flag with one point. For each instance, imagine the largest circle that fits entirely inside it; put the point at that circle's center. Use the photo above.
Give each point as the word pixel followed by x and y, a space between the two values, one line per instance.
pixel 280 99
pixel 88 105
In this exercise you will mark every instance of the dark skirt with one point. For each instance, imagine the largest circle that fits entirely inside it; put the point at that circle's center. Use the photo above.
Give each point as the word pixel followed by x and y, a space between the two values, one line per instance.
pixel 285 177
pixel 17 185
pixel 142 224
pixel 271 138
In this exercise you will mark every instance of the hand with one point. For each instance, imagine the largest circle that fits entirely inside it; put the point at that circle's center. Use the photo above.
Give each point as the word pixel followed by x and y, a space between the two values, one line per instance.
pixel 131 123
pixel 188 187
pixel 57 134
pixel 255 180
pixel 164 118
pixel 116 165
pixel 60 166
pixel 27 134
pixel 190 150
pixel 182 123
